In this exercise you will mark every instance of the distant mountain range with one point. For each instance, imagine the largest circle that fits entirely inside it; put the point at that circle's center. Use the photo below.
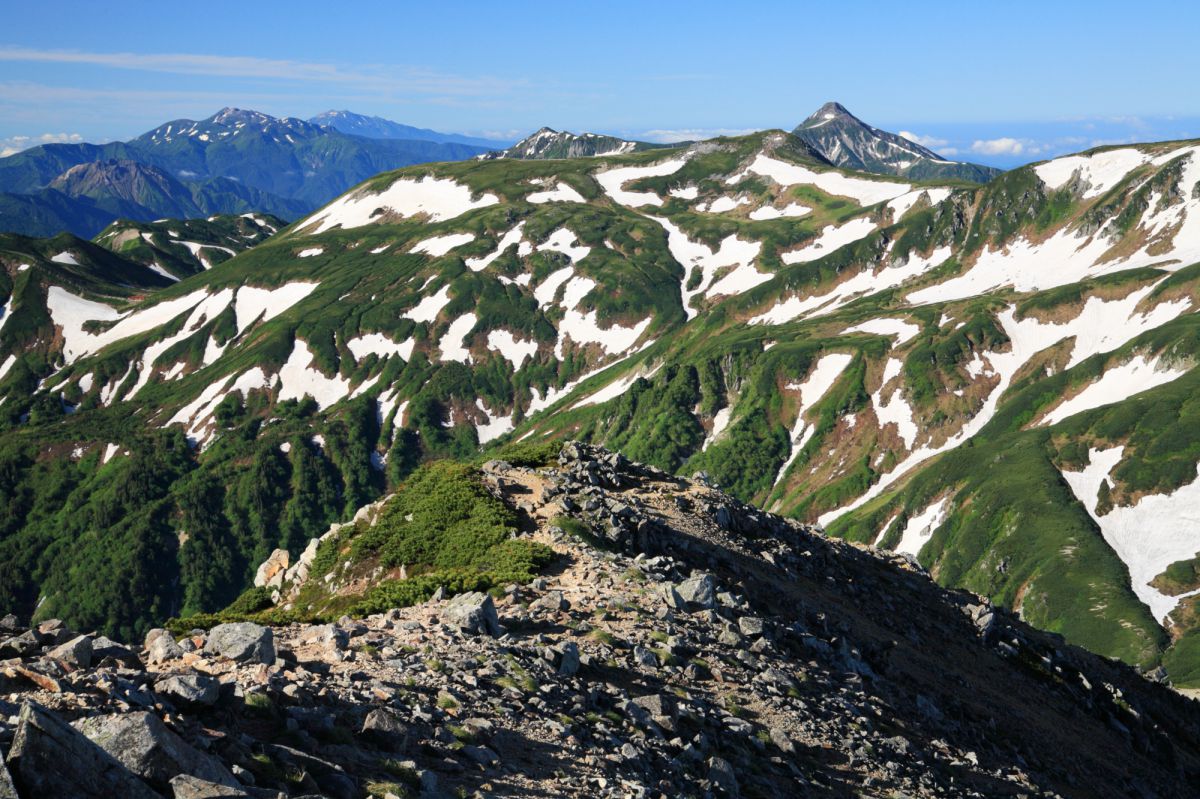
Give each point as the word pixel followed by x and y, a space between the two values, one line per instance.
pixel 235 161
pixel 846 141
pixel 379 128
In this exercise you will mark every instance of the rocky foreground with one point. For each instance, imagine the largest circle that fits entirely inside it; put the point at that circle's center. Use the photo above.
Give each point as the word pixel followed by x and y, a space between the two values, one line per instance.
pixel 683 644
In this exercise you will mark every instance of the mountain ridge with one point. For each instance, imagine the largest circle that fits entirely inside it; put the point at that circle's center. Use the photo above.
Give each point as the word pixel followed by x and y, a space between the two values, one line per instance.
pixel 241 161
pixel 846 141
pixel 837 346
pixel 549 143
pixel 374 127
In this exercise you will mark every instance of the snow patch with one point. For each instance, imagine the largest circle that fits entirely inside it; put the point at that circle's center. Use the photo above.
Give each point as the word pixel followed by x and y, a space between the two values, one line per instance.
pixel 612 180
pixel 516 350
pixel 811 391
pixel 440 245
pixel 437 198
pixel 1148 536
pixel 866 192
pixel 920 528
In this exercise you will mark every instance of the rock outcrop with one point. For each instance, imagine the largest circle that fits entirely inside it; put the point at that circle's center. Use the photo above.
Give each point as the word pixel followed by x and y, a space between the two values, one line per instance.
pixel 689 646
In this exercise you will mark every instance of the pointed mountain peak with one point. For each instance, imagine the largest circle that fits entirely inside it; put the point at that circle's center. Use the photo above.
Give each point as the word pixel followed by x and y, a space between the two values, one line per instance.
pixel 827 113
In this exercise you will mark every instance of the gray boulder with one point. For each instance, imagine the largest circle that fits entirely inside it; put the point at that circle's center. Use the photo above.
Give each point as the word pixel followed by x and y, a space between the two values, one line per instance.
pixel 76 653
pixel 474 613
pixel 568 664
pixel 189 690
pixel 146 747
pixel 50 758
pixel 242 641
pixel 698 592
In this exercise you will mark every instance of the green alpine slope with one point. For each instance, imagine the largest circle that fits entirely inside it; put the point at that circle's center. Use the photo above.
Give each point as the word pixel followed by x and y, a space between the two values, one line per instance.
pixel 993 379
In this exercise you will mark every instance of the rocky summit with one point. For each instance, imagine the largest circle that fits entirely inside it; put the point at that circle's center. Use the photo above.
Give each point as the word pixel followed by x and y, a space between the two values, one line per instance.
pixel 676 643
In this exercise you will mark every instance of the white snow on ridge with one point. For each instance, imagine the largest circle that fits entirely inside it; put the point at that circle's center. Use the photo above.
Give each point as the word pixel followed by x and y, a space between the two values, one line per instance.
pixel 310 252
pixel 438 246
pixel 898 328
pixel 494 427
pixel 8 364
pixel 507 240
pixel 685 192
pixel 612 181
pixel 561 193
pixel 379 344
pixel 831 238
pixel 896 410
pixel 722 205
pixel 1027 337
pixel 920 528
pixel 429 307
pixel 1100 171
pixel 264 304
pixel 720 422
pixel 548 288
pixel 451 343
pixel 71 312
pixel 1116 384
pixel 585 329
pixel 1148 536
pixel 298 377
pixel 771 212
pixel 864 282
pixel 65 258
pixel 811 391
pixel 516 350
pixel 866 192
pixel 616 388
pixel 566 242
pixel 439 198
pixel 695 255
pixel 1067 258
pixel 904 203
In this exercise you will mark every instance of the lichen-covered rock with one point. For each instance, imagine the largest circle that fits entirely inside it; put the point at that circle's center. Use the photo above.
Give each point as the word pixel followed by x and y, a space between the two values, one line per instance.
pixel 242 641
pixel 50 758
pixel 473 612
pixel 146 747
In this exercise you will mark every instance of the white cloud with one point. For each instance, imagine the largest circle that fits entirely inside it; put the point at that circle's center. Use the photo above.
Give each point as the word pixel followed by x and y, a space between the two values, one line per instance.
pixel 1005 145
pixel 690 134
pixel 15 144
pixel 948 151
pixel 409 79
pixel 932 142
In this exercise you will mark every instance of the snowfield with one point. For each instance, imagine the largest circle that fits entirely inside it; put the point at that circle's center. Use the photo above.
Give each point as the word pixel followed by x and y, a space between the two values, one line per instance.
pixel 831 238
pixel 1148 536
pixel 694 255
pixel 613 181
pixel 865 192
pixel 438 246
pixel 561 193
pixel 437 198
pixel 1118 383
pixel 864 282
pixel 920 528
pixel 811 391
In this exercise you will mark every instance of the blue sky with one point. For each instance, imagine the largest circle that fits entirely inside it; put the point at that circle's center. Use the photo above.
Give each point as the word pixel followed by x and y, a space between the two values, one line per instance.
pixel 998 83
